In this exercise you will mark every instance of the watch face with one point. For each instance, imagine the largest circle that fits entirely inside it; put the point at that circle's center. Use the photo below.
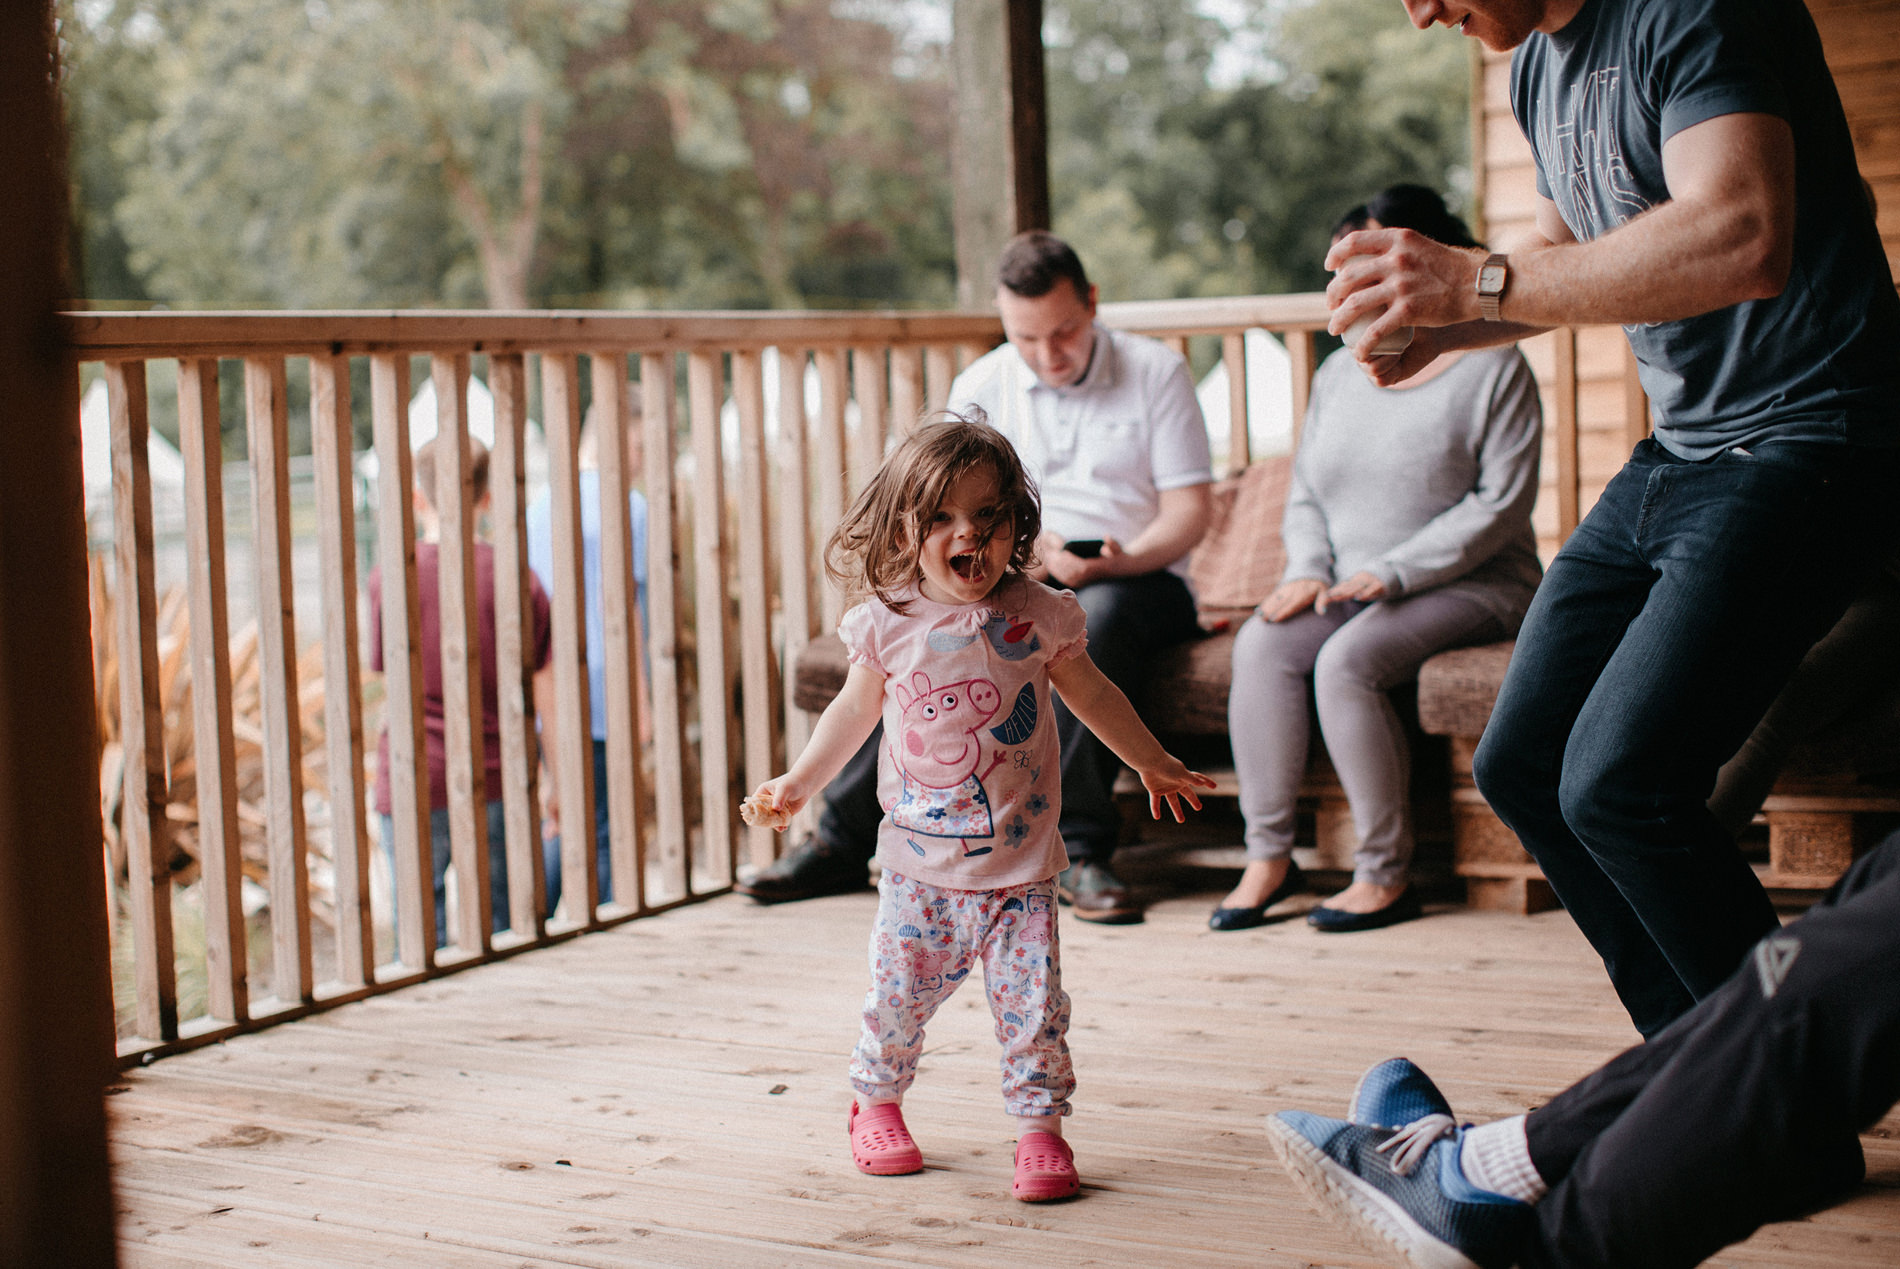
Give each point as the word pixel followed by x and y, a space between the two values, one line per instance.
pixel 1491 279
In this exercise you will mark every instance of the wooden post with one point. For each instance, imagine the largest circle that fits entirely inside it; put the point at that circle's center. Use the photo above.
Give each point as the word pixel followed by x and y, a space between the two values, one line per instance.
pixel 663 623
pixel 573 745
pixel 940 370
pixel 710 612
pixel 268 412
pixel 907 388
pixel 402 660
pixel 760 731
pixel 1300 349
pixel 620 628
pixel 1569 461
pixel 1000 152
pixel 794 544
pixel 1233 349
pixel 226 944
pixel 867 385
pixel 56 1045
pixel 141 712
pixel 834 490
pixel 459 621
pixel 1635 401
pixel 514 649
pixel 330 438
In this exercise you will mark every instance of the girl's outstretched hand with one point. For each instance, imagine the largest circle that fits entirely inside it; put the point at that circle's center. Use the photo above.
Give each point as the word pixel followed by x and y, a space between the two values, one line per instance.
pixel 773 804
pixel 1173 782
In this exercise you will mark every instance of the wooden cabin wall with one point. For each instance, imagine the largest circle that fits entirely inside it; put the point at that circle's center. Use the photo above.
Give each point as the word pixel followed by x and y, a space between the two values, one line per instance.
pixel 1862 39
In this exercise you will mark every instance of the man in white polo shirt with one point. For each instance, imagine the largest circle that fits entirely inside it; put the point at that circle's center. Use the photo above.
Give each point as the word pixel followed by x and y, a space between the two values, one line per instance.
pixel 1108 426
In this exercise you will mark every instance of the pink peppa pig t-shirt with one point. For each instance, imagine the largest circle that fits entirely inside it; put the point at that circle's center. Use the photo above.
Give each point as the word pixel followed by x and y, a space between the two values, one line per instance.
pixel 970 774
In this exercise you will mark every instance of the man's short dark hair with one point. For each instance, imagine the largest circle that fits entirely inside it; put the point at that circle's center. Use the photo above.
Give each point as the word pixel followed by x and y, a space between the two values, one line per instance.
pixel 1034 262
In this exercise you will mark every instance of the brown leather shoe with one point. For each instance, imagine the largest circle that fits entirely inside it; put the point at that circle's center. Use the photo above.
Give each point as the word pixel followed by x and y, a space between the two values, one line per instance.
pixel 1097 894
pixel 812 869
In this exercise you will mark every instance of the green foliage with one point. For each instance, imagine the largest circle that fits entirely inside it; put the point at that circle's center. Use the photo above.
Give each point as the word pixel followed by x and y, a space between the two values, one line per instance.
pixel 1236 189
pixel 712 153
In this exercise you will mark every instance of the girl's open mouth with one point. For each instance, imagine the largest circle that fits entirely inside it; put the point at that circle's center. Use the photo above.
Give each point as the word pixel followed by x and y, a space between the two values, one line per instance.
pixel 967 565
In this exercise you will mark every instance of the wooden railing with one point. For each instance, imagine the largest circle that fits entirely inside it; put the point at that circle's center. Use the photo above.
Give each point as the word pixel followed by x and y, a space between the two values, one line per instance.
pixel 734 593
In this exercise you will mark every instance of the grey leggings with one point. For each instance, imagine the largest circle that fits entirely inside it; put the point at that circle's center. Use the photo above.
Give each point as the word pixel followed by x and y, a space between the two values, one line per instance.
pixel 1353 654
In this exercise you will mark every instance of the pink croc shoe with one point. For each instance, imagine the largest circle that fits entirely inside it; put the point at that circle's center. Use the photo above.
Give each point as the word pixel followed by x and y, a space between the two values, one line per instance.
pixel 880 1144
pixel 1045 1168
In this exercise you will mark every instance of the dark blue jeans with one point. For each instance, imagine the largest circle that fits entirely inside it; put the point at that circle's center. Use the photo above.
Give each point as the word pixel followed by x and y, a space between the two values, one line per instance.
pixel 439 851
pixel 1659 636
pixel 1130 619
pixel 603 852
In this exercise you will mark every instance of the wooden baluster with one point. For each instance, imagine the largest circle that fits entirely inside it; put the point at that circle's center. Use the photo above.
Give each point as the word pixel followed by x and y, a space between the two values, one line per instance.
pixel 1569 464
pixel 1300 349
pixel 459 616
pixel 760 736
pixel 663 623
pixel 867 385
pixel 1179 343
pixel 794 546
pixel 330 438
pixel 514 648
pixel 142 820
pixel 268 415
pixel 402 661
pixel 833 487
pixel 940 370
pixel 711 609
pixel 907 389
pixel 219 856
pixel 573 746
pixel 1233 353
pixel 621 634
pixel 969 352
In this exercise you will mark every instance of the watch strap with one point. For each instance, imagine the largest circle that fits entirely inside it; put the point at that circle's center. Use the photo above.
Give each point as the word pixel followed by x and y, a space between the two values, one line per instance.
pixel 1489 299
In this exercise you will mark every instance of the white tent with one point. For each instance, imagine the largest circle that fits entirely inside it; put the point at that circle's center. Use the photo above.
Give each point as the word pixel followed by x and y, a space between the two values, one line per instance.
pixel 1269 400
pixel 166 464
pixel 481 425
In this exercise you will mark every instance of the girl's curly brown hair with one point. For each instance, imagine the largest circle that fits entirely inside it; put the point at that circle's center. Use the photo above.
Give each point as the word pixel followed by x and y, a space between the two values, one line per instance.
pixel 874 549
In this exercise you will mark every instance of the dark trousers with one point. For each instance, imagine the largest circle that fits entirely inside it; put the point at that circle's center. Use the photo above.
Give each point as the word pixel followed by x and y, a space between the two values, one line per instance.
pixel 1659 636
pixel 1130 619
pixel 1747 1109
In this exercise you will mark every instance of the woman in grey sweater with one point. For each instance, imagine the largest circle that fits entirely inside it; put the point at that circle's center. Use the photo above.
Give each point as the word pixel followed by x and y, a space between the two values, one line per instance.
pixel 1407 532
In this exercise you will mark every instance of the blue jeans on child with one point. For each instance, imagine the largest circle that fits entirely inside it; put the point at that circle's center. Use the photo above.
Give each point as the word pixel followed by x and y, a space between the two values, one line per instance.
pixel 439 849
pixel 1660 634
pixel 603 853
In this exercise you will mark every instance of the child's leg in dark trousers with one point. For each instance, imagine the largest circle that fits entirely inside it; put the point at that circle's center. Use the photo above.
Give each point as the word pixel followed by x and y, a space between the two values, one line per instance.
pixel 1746 1110
pixel 1022 972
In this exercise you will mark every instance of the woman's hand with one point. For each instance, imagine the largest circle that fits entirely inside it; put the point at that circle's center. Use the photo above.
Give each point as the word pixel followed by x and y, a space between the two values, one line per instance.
pixel 1289 599
pixel 1361 586
pixel 1170 781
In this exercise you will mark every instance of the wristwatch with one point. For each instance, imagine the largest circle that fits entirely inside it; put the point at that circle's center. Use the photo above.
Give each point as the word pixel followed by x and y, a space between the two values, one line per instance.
pixel 1493 276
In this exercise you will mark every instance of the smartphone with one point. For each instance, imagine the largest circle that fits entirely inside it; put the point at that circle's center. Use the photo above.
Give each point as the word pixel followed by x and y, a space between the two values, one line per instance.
pixel 1087 548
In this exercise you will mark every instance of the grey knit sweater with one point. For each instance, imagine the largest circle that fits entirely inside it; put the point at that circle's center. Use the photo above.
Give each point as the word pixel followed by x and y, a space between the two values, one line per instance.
pixel 1421 486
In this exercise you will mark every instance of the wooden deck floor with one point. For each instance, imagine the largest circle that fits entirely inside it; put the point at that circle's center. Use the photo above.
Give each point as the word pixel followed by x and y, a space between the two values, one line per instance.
pixel 671 1093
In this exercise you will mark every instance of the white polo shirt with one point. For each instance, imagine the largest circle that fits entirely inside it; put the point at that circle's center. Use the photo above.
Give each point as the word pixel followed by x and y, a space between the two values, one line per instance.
pixel 1104 448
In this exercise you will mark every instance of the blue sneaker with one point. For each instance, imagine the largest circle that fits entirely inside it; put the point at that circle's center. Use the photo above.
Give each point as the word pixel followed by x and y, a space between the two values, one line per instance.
pixel 1393 1094
pixel 1418 1206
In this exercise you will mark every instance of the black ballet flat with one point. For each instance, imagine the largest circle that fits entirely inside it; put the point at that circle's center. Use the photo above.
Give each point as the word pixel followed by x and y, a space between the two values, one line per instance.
pixel 1334 921
pixel 1247 918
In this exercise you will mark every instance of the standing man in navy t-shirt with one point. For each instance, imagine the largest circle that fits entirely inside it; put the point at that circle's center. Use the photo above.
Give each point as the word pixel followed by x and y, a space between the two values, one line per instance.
pixel 1696 183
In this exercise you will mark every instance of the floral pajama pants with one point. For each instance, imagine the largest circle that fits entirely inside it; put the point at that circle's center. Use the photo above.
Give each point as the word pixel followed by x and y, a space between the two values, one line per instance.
pixel 927 940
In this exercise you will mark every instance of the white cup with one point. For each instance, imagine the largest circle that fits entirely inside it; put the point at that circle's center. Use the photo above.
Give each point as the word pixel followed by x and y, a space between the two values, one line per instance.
pixel 1394 342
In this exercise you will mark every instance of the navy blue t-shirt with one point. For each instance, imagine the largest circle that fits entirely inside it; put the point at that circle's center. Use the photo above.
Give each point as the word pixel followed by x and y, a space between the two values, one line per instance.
pixel 1820 361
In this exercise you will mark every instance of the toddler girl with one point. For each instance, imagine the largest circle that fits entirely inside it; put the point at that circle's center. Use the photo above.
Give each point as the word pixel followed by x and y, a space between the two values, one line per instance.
pixel 955 647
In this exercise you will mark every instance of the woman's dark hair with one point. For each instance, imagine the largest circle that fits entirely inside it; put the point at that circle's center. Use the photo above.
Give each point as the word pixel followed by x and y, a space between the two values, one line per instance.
pixel 873 551
pixel 1422 210
pixel 1353 221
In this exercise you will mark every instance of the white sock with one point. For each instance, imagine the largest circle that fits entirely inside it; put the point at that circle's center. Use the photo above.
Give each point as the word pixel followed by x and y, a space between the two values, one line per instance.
pixel 1497 1157
pixel 1020 1124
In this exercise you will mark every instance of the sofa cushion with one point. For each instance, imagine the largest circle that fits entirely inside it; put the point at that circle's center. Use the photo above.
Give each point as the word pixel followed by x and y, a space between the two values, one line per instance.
pixel 1241 558
pixel 1457 689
